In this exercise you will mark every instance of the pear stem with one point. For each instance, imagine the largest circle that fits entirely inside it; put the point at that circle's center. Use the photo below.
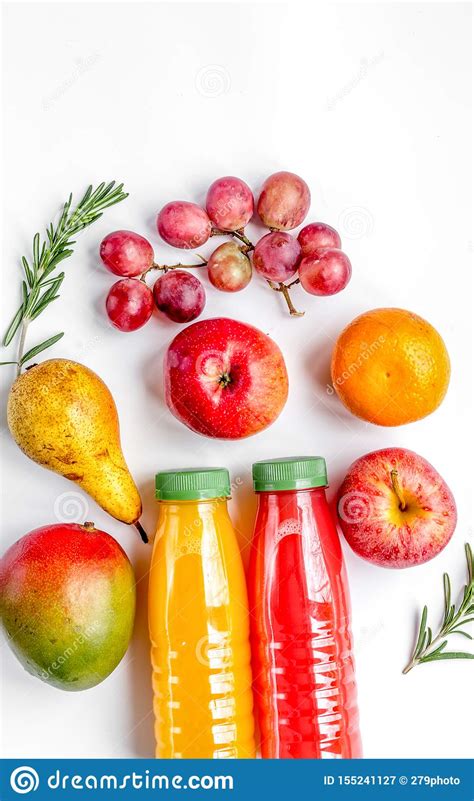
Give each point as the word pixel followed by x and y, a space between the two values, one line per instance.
pixel 141 531
pixel 398 490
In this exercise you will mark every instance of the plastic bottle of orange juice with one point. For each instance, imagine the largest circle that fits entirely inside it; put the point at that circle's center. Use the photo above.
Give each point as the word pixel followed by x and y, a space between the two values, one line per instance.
pixel 198 620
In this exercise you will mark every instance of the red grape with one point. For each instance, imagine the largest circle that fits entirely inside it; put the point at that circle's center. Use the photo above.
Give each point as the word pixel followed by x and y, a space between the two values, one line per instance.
pixel 284 201
pixel 179 295
pixel 276 256
pixel 326 272
pixel 183 224
pixel 229 203
pixel 229 269
pixel 318 235
pixel 129 304
pixel 126 253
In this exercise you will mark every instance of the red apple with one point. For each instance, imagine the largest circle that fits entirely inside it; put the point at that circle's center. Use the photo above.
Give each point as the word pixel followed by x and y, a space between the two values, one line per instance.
pixel 394 508
pixel 225 379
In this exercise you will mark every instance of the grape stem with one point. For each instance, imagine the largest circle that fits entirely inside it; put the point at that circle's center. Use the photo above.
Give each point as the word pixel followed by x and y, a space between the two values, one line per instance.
pixel 285 291
pixel 166 267
pixel 238 234
pixel 248 246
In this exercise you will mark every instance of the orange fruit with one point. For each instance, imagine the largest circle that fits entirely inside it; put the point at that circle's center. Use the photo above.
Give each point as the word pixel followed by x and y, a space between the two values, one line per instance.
pixel 390 367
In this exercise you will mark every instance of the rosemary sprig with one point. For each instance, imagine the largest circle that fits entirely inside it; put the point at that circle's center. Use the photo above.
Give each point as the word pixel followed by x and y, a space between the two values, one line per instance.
pixel 431 649
pixel 40 287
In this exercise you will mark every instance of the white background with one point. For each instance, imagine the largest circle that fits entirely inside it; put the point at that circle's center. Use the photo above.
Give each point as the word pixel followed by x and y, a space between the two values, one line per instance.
pixel 370 104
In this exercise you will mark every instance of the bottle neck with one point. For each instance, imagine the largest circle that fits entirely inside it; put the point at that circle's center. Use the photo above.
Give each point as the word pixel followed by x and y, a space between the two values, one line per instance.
pixel 276 507
pixel 303 495
pixel 201 503
pixel 193 512
pixel 190 519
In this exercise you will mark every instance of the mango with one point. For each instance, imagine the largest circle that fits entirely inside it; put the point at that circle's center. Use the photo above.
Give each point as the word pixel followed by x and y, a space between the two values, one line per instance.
pixel 67 604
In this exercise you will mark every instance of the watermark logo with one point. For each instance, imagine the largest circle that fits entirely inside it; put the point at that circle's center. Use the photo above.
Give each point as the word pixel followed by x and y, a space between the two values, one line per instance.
pixel 82 65
pixel 202 651
pixel 366 351
pixel 354 507
pixel 356 222
pixel 366 64
pixel 82 637
pixel 71 507
pixel 213 80
pixel 209 365
pixel 24 780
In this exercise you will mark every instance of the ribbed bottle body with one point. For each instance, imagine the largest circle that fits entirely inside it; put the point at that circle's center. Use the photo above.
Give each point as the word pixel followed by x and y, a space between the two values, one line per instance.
pixel 300 631
pixel 199 633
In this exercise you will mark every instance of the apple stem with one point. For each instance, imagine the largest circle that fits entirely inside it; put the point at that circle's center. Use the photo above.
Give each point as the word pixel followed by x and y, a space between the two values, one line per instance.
pixel 247 247
pixel 398 490
pixel 225 379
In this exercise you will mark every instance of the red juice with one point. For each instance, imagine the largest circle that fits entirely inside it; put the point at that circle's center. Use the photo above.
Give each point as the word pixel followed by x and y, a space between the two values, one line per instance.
pixel 304 681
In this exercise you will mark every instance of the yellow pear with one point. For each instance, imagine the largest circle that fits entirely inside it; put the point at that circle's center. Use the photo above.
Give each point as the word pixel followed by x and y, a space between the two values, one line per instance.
pixel 62 415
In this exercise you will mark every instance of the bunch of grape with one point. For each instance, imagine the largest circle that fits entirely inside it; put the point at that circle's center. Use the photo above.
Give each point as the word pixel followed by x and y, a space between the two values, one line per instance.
pixel 313 259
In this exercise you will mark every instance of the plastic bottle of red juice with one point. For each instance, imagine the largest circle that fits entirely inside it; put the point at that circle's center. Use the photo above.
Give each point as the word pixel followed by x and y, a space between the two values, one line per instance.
pixel 305 689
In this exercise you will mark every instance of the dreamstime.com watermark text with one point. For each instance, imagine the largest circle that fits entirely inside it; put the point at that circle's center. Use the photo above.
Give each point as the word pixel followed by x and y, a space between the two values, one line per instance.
pixel 365 353
pixel 25 779
pixel 63 657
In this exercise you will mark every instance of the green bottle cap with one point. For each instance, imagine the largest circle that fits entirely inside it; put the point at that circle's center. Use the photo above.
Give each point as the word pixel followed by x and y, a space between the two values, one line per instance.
pixel 298 472
pixel 192 484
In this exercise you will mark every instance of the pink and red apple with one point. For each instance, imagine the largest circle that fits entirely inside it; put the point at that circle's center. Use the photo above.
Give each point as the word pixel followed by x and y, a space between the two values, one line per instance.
pixel 225 379
pixel 395 509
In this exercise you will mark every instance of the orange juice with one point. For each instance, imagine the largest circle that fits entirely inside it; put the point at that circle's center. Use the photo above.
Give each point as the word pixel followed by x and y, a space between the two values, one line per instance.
pixel 198 620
